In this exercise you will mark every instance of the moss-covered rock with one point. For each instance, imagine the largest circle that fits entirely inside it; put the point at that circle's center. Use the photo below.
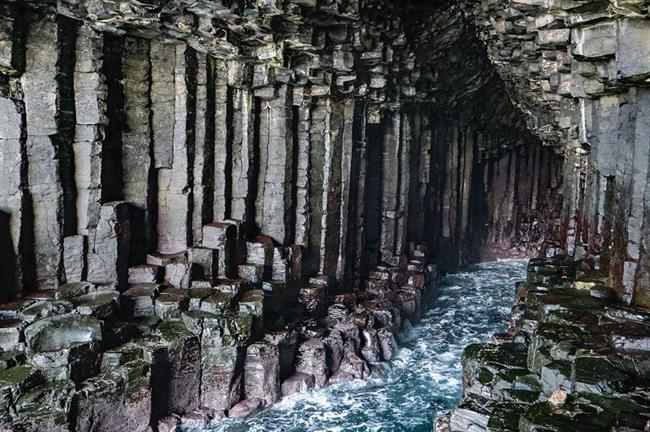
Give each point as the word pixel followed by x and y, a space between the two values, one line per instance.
pixel 47 407
pixel 75 363
pixel 479 414
pixel 74 289
pixel 101 304
pixel 489 369
pixel 14 383
pixel 217 303
pixel 589 413
pixel 171 303
pixel 45 308
pixel 555 342
pixel 116 400
pixel 598 375
pixel 11 332
pixel 10 359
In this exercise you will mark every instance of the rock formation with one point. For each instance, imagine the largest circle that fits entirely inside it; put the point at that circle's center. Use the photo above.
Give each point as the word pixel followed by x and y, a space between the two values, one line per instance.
pixel 572 360
pixel 206 205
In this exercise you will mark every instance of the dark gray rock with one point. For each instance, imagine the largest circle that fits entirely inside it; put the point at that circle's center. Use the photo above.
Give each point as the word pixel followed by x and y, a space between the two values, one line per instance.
pixel 108 258
pixel 297 383
pixel 262 373
pixel 312 359
pixel 119 399
pixel 245 408
pixel 61 332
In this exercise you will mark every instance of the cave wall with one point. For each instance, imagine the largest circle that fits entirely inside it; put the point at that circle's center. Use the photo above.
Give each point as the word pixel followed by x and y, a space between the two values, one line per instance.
pixel 579 71
pixel 304 122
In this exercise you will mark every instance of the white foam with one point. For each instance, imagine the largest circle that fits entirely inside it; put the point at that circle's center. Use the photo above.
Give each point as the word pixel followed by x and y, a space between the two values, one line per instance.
pixel 424 377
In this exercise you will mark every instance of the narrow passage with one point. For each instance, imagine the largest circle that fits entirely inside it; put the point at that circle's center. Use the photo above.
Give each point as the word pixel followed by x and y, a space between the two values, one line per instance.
pixel 425 377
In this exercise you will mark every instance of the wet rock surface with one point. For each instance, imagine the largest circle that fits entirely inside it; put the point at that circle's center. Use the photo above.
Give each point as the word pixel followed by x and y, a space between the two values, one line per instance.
pixel 205 205
pixel 158 355
pixel 422 379
pixel 568 362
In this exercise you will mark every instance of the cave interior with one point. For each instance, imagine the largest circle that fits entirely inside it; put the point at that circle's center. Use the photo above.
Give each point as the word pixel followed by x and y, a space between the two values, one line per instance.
pixel 191 191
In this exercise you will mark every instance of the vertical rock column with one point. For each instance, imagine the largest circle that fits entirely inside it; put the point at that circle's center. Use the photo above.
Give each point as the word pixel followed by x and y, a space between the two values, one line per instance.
pixel 348 176
pixel 274 200
pixel 139 178
pixel 202 156
pixel 632 169
pixel 466 175
pixel 420 184
pixel 390 184
pixel 243 137
pixel 222 138
pixel 358 177
pixel 172 114
pixel 43 176
pixel 108 258
pixel 303 145
pixel 373 187
pixel 403 179
pixel 640 209
pixel 11 197
pixel 12 163
pixel 331 195
pixel 12 35
pixel 90 107
pixel 319 143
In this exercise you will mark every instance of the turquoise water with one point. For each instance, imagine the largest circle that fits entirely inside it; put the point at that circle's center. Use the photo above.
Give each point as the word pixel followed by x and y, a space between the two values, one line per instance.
pixel 422 381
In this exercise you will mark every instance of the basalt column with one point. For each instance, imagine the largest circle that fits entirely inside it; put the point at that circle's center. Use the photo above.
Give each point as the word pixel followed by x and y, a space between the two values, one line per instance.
pixel 173 97
pixel 15 223
pixel 207 206
pixel 45 187
pixel 137 163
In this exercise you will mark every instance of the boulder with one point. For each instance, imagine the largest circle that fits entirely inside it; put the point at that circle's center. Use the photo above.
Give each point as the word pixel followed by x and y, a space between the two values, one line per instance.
pixel 262 373
pixel 171 303
pixel 352 364
pixel 45 308
pixel 140 299
pixel 334 350
pixel 297 383
pixel 370 350
pixel 245 408
pixel 61 332
pixel 101 304
pixel 144 274
pixel 178 370
pixel 312 359
pixel 77 363
pixel 47 407
pixel 387 344
pixel 117 399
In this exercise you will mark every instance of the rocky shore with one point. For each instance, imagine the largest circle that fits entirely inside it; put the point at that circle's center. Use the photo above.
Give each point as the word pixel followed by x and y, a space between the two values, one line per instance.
pixel 186 344
pixel 572 360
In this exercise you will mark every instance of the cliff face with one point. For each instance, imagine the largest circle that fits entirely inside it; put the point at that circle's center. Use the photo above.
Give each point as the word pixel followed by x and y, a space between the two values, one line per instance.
pixel 579 70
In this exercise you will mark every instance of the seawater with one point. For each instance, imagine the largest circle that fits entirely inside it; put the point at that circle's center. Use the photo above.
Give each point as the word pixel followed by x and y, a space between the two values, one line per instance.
pixel 422 381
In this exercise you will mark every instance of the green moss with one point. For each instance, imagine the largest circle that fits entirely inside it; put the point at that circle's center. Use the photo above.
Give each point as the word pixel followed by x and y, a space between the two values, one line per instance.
pixel 507 355
pixel 10 359
pixel 485 376
pixel 45 407
pixel 504 416
pixel 20 377
pixel 598 375
pixel 570 418
pixel 631 410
